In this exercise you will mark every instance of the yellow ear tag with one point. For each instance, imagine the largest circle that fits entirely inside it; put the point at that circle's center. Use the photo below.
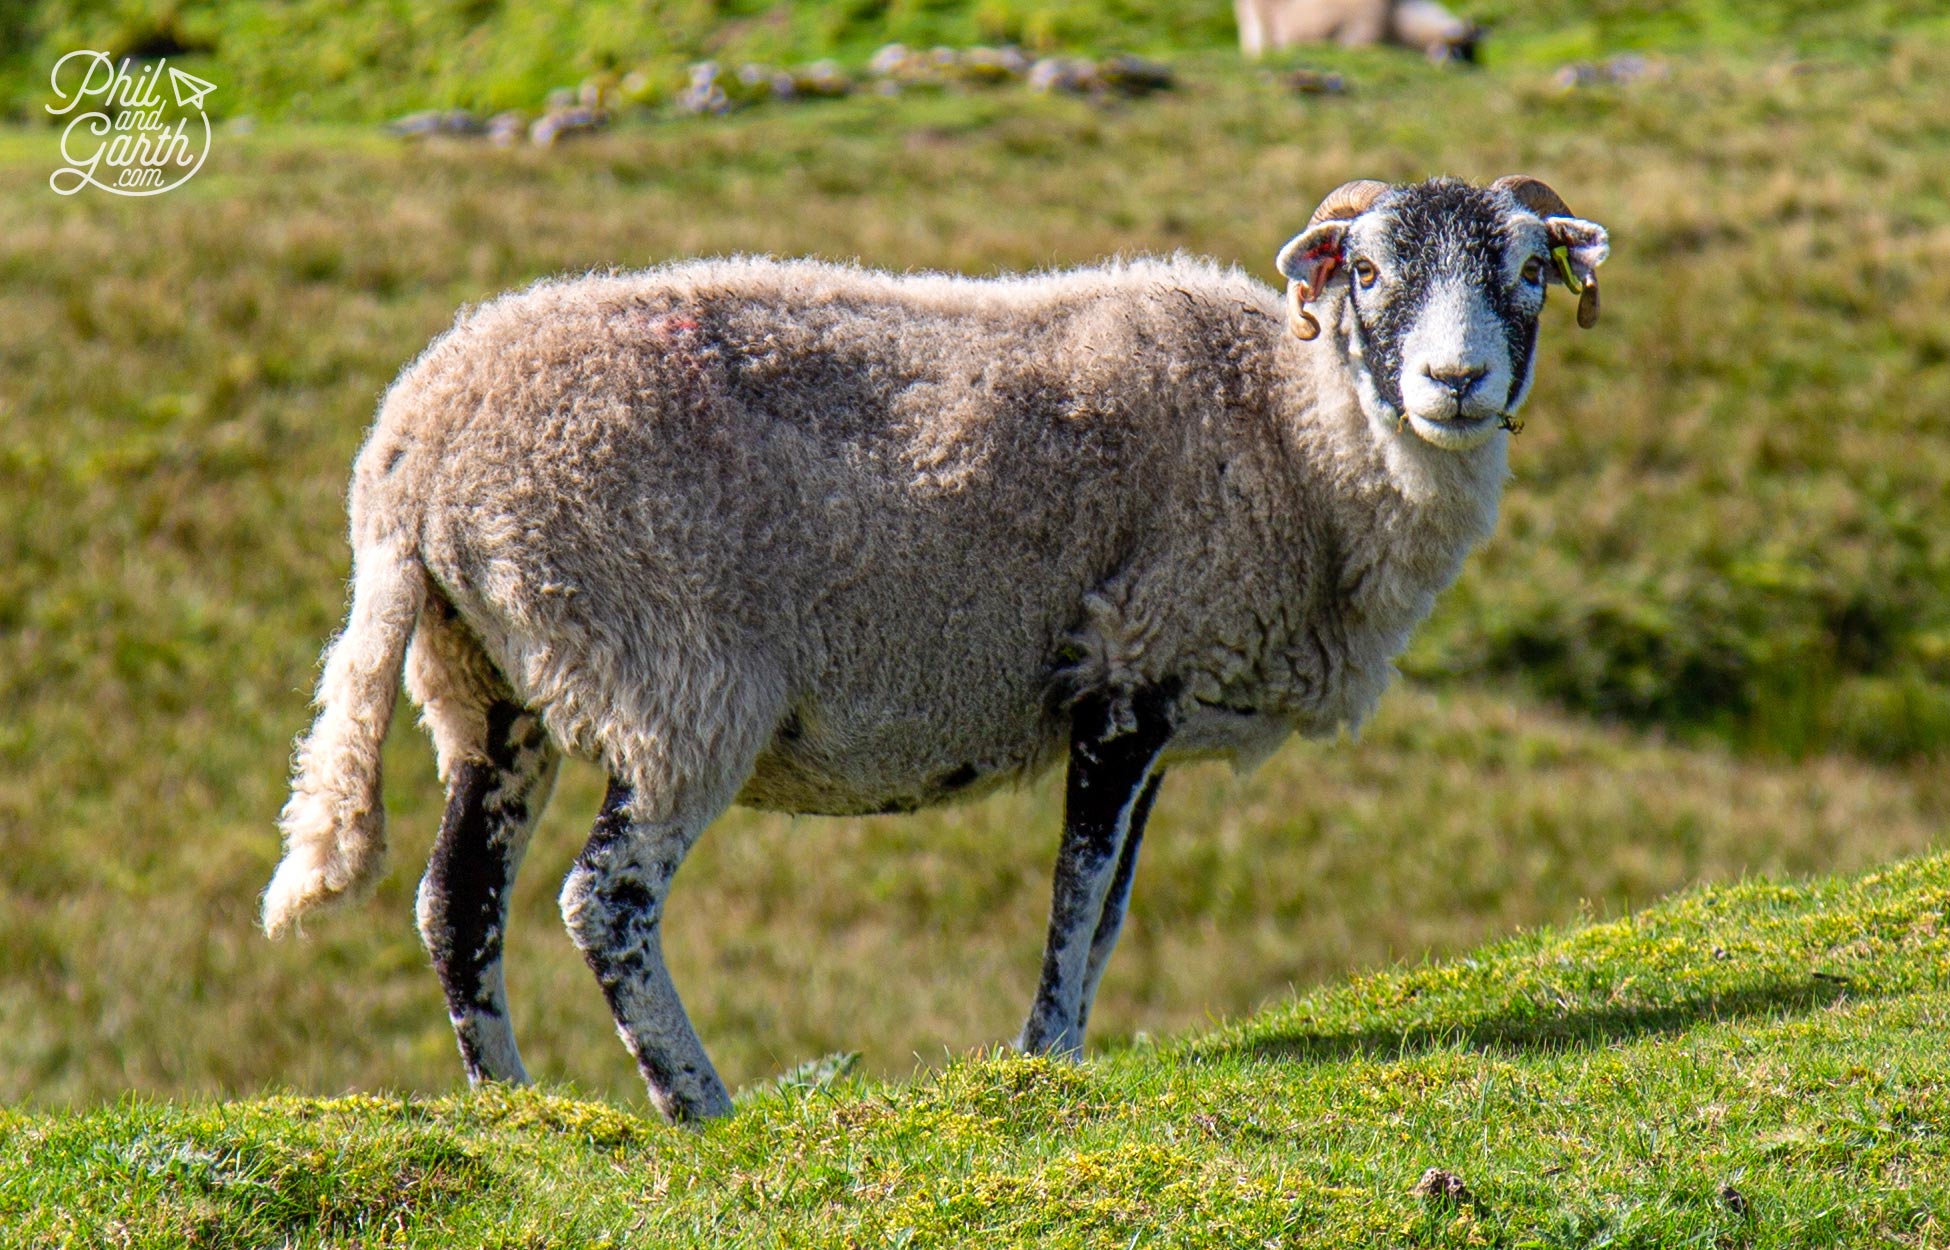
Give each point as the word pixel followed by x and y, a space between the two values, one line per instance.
pixel 1562 255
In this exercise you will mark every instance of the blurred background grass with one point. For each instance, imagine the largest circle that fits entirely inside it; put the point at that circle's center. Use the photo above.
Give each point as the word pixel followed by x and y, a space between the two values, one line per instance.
pixel 1712 634
pixel 325 59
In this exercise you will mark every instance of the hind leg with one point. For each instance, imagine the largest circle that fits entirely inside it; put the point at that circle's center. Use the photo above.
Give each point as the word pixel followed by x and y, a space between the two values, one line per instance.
pixel 612 903
pixel 499 765
pixel 492 805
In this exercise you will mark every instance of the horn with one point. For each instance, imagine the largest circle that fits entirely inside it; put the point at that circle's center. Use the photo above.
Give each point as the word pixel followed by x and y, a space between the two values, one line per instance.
pixel 1349 200
pixel 1546 203
pixel 1534 195
pixel 1343 203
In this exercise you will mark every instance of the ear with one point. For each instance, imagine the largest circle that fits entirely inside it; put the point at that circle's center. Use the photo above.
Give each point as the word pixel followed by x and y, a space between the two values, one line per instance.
pixel 1308 262
pixel 1310 257
pixel 1578 247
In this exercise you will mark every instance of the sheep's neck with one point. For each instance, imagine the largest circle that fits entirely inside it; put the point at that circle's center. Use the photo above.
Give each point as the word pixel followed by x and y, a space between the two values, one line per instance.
pixel 1405 505
pixel 1396 518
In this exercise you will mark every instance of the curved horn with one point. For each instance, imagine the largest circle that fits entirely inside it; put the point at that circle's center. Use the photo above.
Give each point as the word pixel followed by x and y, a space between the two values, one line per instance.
pixel 1310 257
pixel 1534 195
pixel 1348 200
pixel 1546 203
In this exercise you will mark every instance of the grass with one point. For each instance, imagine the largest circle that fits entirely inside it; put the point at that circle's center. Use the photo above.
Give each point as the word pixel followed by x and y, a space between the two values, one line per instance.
pixel 1711 639
pixel 1723 561
pixel 1756 1065
pixel 322 60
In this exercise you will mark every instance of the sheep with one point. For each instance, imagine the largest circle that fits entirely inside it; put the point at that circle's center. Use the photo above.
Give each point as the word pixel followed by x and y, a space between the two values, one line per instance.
pixel 818 539
pixel 1266 25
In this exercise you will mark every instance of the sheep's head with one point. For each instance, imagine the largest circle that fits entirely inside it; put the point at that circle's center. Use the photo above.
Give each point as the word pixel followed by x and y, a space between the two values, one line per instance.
pixel 1438 288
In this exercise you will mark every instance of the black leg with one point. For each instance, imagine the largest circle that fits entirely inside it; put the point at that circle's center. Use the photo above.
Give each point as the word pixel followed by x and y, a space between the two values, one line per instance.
pixel 1119 901
pixel 492 805
pixel 1110 769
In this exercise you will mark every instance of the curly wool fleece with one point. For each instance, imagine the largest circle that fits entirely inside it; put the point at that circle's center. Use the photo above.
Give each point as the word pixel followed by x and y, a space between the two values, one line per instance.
pixel 859 534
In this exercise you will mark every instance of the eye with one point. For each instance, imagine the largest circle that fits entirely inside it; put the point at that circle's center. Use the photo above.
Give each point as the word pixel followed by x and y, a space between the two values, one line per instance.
pixel 1365 273
pixel 1533 271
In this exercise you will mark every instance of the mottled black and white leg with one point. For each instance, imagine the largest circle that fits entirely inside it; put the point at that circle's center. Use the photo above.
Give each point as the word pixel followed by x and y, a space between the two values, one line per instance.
pixel 613 905
pixel 1119 901
pixel 492 805
pixel 1107 794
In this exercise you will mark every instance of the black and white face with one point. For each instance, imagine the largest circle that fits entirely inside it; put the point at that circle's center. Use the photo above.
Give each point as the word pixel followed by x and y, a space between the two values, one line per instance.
pixel 1443 285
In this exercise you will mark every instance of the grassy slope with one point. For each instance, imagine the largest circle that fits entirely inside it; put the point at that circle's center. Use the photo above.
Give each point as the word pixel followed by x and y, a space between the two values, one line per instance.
pixel 322 59
pixel 1596 1086
pixel 1728 515
pixel 1738 454
pixel 1728 524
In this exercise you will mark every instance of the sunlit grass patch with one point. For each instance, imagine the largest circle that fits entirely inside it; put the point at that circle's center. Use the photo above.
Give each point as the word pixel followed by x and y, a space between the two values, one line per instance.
pixel 254 1174
pixel 1755 1064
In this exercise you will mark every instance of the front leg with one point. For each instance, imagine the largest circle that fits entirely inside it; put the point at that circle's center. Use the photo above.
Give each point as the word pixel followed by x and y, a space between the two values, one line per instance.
pixel 1110 766
pixel 1117 902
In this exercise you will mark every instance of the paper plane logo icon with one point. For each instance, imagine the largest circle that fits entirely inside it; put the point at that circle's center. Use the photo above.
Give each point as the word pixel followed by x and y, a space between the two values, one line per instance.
pixel 189 89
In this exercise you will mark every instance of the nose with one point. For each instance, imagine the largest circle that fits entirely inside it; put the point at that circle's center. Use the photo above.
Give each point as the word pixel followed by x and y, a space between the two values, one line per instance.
pixel 1456 379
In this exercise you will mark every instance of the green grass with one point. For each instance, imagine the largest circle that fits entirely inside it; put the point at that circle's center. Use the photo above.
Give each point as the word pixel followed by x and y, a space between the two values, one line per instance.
pixel 1605 1085
pixel 1710 641
pixel 1711 636
pixel 322 59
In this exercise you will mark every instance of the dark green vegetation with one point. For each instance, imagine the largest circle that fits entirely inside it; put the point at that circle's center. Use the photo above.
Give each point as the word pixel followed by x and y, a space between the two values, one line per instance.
pixel 1751 1066
pixel 1711 638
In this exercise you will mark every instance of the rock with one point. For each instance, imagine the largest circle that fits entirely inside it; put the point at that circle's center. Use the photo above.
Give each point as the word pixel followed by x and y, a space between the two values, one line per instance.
pixel 429 122
pixel 902 65
pixel 558 124
pixel 505 130
pixel 1069 74
pixel 704 95
pixel 1134 75
pixel 1575 75
pixel 1629 67
pixel 890 60
pixel 1620 71
pixel 761 81
pixel 988 66
pixel 822 79
pixel 1305 81
pixel 599 93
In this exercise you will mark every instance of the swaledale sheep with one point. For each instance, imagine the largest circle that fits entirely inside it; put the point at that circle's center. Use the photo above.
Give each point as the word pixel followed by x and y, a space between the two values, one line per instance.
pixel 817 539
pixel 1267 25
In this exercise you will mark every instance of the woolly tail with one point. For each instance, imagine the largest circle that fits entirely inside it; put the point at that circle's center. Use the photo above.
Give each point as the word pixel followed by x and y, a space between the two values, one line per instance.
pixel 334 823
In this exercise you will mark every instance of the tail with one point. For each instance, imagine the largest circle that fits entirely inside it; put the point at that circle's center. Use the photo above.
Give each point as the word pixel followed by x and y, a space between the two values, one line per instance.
pixel 334 823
